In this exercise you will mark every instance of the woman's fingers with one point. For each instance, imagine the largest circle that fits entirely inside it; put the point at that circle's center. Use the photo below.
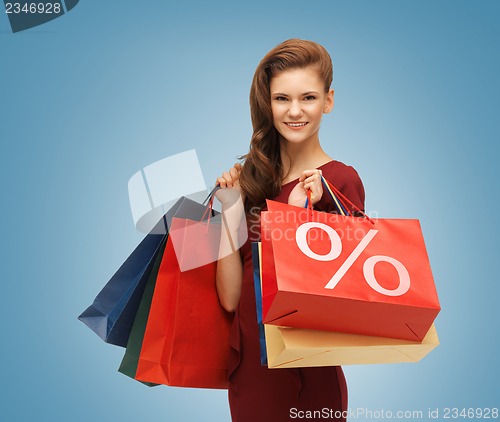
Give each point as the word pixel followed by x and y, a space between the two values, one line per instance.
pixel 314 174
pixel 221 182
pixel 230 178
pixel 235 174
pixel 312 181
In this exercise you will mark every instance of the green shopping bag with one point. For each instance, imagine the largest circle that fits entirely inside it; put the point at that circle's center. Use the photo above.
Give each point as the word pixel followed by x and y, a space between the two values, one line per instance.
pixel 129 362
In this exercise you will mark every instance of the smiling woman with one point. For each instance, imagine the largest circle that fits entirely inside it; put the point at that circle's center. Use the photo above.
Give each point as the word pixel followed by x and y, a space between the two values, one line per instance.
pixel 291 83
pixel 298 102
pixel 290 94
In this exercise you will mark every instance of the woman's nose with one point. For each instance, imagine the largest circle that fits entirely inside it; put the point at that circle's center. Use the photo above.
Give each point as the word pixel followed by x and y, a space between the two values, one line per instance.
pixel 295 110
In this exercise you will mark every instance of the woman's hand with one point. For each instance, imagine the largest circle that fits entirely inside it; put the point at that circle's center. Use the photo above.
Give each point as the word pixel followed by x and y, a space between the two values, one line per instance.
pixel 230 186
pixel 309 180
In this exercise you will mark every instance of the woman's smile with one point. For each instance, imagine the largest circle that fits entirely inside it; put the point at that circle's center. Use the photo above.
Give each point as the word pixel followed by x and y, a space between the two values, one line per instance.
pixel 296 125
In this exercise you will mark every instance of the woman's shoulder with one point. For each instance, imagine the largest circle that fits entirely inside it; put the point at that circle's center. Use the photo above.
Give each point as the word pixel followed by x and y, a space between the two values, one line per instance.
pixel 346 179
pixel 340 174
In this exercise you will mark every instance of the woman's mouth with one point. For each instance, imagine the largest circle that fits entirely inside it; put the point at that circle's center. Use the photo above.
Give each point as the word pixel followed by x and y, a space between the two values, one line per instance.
pixel 295 125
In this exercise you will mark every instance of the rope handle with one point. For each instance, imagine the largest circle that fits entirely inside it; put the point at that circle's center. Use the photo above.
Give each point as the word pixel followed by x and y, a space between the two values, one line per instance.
pixel 344 198
pixel 341 206
pixel 308 204
pixel 210 198
pixel 338 198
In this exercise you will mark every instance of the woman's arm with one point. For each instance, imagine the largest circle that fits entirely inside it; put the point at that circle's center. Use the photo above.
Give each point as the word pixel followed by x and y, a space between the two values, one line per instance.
pixel 229 274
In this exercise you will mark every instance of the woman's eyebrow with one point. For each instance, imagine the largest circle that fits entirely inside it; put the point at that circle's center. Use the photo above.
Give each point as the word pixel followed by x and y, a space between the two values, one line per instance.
pixel 286 95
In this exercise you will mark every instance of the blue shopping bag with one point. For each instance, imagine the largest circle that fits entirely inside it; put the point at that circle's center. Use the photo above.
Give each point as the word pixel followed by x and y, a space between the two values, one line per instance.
pixel 256 254
pixel 113 311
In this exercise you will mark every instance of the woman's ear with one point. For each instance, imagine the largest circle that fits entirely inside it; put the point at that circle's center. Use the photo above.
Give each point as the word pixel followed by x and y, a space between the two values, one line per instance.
pixel 328 102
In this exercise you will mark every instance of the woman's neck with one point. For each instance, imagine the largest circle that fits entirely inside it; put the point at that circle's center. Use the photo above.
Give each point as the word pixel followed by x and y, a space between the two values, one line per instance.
pixel 296 158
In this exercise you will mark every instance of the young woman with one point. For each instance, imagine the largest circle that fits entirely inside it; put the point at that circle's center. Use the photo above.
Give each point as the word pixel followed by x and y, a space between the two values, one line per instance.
pixel 290 93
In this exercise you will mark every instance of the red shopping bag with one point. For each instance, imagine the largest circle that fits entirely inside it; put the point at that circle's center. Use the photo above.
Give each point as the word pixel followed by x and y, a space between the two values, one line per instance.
pixel 186 339
pixel 349 274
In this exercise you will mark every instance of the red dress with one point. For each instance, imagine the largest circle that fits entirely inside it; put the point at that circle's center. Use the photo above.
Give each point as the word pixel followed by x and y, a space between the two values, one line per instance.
pixel 259 394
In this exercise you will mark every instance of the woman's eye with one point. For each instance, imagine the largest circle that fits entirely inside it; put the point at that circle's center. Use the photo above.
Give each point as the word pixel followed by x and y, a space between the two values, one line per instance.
pixel 280 98
pixel 310 98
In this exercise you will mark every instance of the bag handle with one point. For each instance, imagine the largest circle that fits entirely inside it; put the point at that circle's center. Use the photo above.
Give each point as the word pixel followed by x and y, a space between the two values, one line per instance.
pixel 308 204
pixel 341 206
pixel 338 198
pixel 344 198
pixel 210 204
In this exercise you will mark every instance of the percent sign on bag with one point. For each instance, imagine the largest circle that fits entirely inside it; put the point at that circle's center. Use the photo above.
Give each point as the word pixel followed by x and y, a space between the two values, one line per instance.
pixel 368 267
pixel 329 272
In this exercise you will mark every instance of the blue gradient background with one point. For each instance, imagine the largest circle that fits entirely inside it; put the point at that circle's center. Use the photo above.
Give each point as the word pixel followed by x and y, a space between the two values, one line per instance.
pixel 90 98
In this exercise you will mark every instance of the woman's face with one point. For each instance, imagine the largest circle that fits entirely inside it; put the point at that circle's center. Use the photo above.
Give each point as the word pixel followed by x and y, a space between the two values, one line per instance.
pixel 298 101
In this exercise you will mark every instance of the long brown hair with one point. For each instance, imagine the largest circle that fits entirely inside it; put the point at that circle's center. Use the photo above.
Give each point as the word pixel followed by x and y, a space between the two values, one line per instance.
pixel 262 173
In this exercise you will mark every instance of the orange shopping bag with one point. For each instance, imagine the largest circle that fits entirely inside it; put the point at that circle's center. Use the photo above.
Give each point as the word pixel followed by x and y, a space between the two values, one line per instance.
pixel 186 339
pixel 347 274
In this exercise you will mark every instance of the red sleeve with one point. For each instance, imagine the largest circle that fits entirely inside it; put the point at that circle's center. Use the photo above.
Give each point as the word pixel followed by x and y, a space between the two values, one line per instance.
pixel 346 179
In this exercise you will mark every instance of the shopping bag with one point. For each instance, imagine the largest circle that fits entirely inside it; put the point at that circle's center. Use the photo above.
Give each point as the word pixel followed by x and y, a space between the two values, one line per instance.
pixel 210 230
pixel 257 277
pixel 299 347
pixel 348 274
pixel 129 362
pixel 128 366
pixel 112 313
pixel 186 341
pixel 285 347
